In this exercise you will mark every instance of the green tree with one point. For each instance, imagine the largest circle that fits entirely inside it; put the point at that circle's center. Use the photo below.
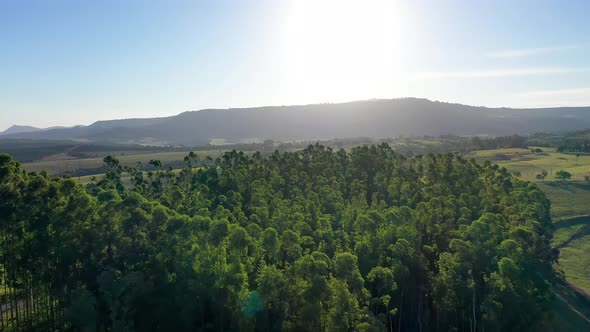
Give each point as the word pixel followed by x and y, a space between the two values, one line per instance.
pixel 562 175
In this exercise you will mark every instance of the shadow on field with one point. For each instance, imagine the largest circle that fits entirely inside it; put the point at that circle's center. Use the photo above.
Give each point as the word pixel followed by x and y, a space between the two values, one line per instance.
pixel 571 223
pixel 585 220
pixel 568 185
pixel 570 310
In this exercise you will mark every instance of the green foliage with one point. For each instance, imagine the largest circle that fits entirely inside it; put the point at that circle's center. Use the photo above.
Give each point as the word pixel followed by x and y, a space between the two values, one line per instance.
pixel 563 175
pixel 365 240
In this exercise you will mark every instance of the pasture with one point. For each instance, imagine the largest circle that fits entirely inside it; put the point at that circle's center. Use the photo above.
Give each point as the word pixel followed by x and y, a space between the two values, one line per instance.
pixel 85 168
pixel 530 164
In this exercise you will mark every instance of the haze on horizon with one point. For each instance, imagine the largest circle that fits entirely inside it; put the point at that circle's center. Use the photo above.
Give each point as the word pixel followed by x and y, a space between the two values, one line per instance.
pixel 67 62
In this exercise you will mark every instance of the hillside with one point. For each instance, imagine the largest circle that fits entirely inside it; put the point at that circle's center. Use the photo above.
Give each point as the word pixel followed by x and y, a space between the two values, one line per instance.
pixel 373 118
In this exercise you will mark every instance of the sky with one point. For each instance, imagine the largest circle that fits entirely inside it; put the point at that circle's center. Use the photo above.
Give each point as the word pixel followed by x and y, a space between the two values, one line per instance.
pixel 70 62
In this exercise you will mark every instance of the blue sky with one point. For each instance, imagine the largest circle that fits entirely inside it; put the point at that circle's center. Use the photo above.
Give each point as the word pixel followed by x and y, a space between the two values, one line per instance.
pixel 75 62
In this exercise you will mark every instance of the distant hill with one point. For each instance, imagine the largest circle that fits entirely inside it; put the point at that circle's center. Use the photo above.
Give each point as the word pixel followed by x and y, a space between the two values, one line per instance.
pixel 380 118
pixel 16 129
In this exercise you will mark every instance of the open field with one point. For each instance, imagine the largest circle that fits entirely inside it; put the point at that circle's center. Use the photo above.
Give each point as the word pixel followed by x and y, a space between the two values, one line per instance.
pixel 530 164
pixel 575 261
pixel 568 200
pixel 90 166
pixel 572 238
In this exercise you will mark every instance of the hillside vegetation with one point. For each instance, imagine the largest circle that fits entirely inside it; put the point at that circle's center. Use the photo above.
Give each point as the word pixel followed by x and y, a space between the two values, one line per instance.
pixel 311 240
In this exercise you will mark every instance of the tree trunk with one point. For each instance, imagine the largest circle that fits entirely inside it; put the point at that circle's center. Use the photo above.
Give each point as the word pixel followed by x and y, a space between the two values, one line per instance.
pixel 389 318
pixel 419 314
pixel 401 307
pixel 473 310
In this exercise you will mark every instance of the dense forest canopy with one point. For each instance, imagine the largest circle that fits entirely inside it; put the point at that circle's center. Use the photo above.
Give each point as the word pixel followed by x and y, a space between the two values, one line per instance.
pixel 320 239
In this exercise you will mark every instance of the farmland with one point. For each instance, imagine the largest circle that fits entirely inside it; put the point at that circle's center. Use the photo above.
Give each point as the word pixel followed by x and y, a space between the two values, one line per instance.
pixel 529 163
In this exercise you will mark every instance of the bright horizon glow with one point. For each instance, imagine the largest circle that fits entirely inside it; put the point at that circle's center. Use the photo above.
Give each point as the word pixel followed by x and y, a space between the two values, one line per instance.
pixel 67 63
pixel 343 50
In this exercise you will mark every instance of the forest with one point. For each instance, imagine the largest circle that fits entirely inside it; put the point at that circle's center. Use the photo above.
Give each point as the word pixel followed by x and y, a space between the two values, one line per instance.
pixel 321 239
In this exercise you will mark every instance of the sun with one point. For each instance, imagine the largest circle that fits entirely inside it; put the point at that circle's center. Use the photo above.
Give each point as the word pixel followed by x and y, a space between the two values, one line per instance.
pixel 342 50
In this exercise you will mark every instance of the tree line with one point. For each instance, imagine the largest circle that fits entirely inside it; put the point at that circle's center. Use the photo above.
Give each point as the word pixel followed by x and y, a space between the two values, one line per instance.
pixel 574 146
pixel 314 240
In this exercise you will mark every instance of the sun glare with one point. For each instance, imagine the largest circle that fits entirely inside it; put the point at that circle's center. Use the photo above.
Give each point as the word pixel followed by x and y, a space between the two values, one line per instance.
pixel 342 50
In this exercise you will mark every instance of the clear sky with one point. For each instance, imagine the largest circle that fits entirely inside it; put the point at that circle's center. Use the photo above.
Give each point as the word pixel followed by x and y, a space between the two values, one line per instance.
pixel 75 62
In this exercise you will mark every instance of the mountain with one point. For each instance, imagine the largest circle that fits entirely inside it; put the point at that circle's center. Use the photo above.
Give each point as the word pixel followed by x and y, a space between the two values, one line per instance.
pixel 16 129
pixel 380 118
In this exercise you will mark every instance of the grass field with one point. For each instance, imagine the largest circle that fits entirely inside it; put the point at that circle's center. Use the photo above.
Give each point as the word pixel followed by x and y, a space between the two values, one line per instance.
pixel 530 164
pixel 68 166
pixel 572 238
pixel 568 200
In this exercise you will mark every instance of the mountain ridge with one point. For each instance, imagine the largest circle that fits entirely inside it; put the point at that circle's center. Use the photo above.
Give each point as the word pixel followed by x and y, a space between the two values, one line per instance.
pixel 377 118
pixel 19 129
pixel 16 129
